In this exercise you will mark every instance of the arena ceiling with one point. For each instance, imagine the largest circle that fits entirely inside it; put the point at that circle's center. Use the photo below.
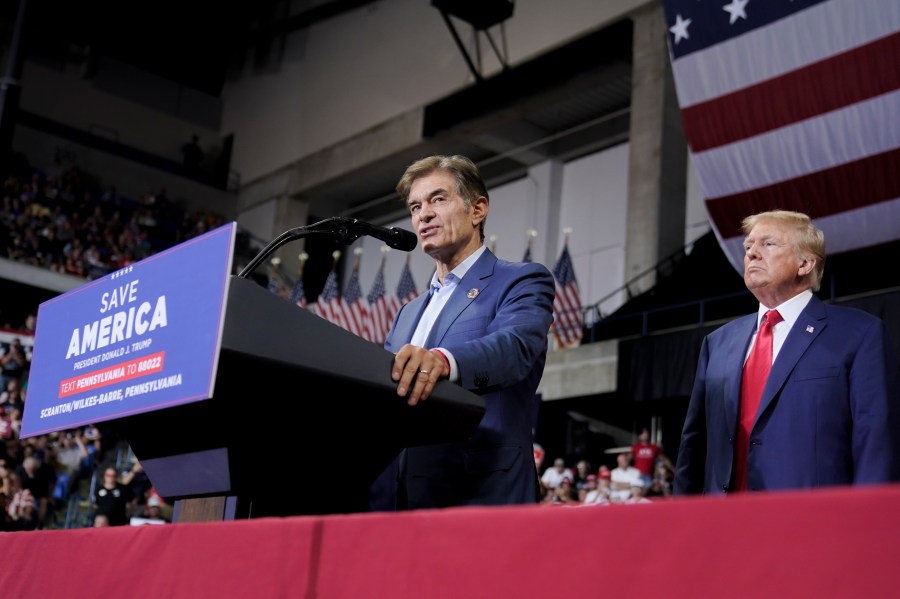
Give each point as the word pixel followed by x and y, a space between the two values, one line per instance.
pixel 568 102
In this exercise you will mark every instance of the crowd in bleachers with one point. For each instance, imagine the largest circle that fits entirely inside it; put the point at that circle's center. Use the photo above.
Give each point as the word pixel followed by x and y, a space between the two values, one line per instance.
pixel 642 474
pixel 60 219
pixel 51 480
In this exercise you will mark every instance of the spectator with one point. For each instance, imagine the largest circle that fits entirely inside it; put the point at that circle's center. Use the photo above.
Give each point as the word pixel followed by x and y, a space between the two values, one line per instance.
pixel 6 426
pixel 112 498
pixel 22 507
pixel 601 494
pixel 42 447
pixel 5 491
pixel 15 416
pixel 622 478
pixel 538 455
pixel 646 454
pixel 554 475
pixel 101 520
pixel 582 471
pixel 192 156
pixel 93 437
pixel 39 480
pixel 13 363
pixel 74 461
pixel 14 452
pixel 562 494
pixel 156 509
pixel 96 265
pixel 30 324
pixel 139 484
pixel 661 485
pixel 11 398
pixel 594 493
pixel 638 493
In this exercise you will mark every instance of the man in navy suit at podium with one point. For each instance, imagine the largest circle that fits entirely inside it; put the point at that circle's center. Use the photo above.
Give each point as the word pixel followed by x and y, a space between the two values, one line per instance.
pixel 482 325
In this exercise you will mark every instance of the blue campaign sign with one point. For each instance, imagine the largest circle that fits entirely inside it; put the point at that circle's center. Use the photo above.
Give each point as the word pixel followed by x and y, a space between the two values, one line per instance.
pixel 143 338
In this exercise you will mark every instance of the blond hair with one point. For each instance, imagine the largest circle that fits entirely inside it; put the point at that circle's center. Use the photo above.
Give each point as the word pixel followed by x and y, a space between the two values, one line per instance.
pixel 807 238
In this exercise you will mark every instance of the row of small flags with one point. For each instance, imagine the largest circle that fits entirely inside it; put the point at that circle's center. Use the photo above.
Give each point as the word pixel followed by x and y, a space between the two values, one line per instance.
pixel 371 316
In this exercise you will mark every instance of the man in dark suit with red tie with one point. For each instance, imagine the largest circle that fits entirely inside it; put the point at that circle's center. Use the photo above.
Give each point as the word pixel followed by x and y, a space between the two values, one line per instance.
pixel 801 394
pixel 484 326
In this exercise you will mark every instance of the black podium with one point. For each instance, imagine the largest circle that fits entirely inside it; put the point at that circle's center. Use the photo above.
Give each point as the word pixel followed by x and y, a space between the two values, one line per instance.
pixel 303 418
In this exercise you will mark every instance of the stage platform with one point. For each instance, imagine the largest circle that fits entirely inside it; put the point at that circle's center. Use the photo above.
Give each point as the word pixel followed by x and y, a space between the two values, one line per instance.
pixel 823 544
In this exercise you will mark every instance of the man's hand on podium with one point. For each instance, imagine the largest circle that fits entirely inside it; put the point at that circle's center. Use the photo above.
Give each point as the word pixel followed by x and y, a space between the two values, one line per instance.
pixel 417 370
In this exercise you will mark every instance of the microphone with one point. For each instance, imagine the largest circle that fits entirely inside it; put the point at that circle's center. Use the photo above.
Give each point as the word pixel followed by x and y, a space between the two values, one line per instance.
pixel 399 239
pixel 346 230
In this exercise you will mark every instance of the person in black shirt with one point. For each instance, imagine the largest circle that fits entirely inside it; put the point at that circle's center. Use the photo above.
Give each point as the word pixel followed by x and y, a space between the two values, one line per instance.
pixel 112 499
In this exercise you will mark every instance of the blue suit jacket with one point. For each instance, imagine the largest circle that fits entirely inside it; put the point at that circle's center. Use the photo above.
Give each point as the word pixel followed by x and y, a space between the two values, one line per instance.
pixel 495 324
pixel 827 415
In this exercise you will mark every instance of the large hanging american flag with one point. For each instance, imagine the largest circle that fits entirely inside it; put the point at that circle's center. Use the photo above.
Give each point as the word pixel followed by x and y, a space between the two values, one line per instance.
pixel 792 104
pixel 380 318
pixel 568 320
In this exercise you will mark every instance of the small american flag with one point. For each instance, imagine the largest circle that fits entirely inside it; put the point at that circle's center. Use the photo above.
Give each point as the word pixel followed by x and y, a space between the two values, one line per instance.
pixel 531 235
pixel 379 312
pixel 273 285
pixel 354 306
pixel 298 295
pixel 406 290
pixel 568 321
pixel 328 306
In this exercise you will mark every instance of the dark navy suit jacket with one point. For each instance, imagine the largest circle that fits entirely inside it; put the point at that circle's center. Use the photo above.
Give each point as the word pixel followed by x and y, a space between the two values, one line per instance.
pixel 828 414
pixel 495 324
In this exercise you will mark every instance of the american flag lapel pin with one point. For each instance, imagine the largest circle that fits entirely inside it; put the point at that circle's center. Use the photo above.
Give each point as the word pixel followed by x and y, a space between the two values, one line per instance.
pixel 809 328
pixel 473 293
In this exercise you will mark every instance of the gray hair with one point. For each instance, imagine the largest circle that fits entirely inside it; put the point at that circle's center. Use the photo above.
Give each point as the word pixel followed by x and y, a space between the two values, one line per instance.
pixel 469 183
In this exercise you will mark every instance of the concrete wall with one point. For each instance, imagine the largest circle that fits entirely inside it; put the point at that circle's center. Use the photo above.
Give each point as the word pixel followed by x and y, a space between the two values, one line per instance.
pixel 367 66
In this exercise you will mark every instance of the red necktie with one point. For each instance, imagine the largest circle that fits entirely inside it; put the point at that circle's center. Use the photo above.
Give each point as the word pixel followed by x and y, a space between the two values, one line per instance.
pixel 756 371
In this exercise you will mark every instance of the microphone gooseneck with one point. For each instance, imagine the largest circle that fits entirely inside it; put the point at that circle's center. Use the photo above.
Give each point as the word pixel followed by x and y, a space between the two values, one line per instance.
pixel 345 230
